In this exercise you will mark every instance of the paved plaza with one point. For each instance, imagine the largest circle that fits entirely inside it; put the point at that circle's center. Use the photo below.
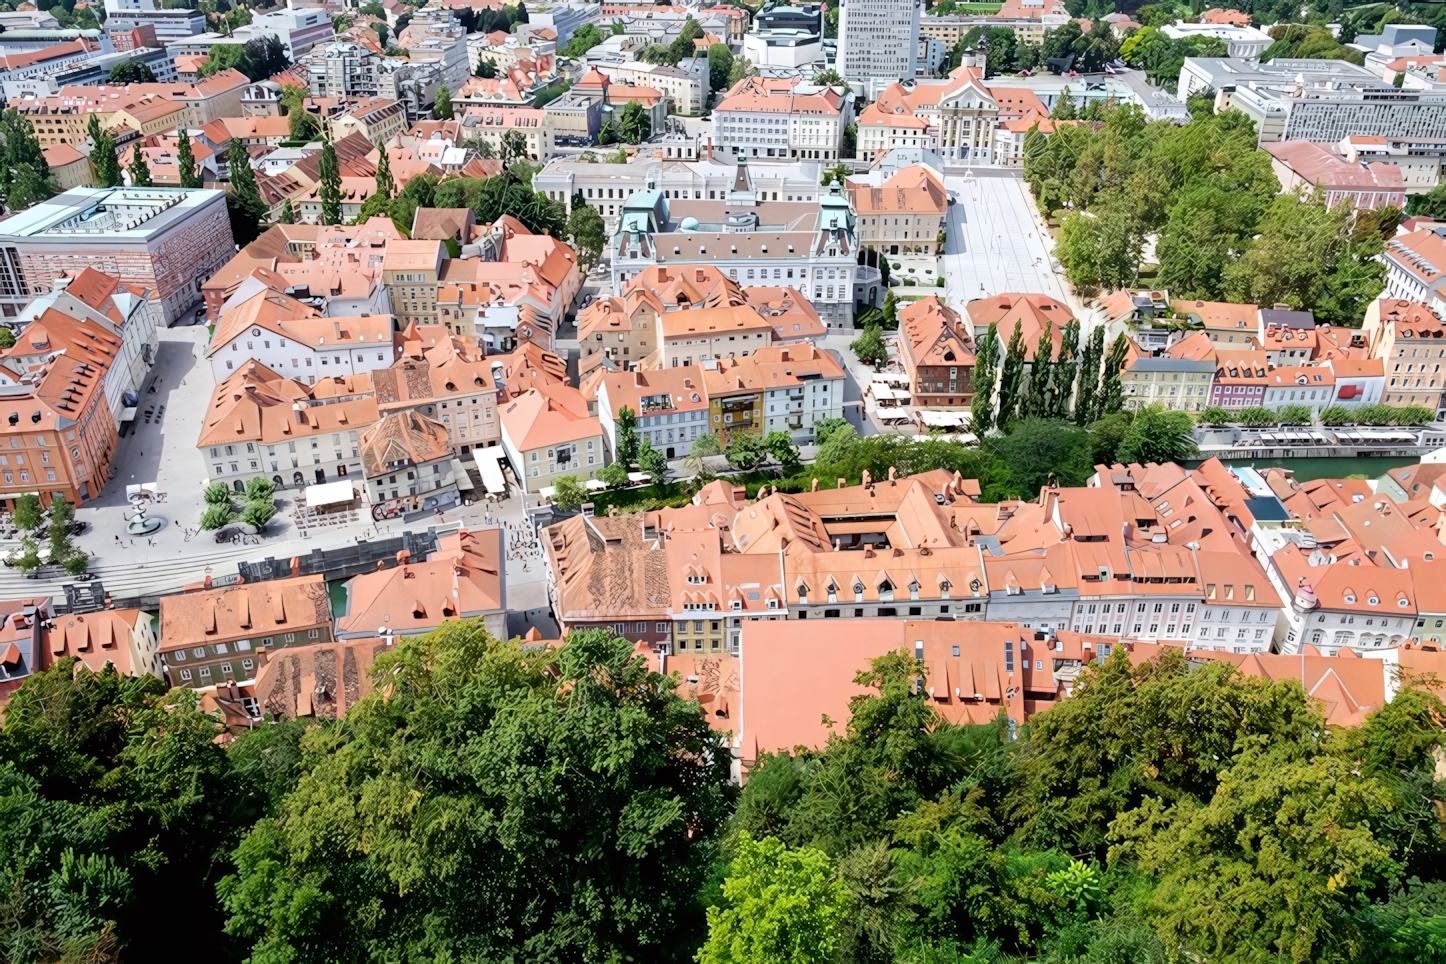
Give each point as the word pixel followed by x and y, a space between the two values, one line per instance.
pixel 162 448
pixel 997 242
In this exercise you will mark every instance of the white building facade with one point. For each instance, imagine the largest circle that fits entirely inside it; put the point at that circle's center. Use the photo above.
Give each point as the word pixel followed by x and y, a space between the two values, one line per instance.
pixel 878 41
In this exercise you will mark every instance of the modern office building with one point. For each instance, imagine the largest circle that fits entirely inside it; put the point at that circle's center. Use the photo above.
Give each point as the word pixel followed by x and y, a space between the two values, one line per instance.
pixel 167 240
pixel 878 41
pixel 170 25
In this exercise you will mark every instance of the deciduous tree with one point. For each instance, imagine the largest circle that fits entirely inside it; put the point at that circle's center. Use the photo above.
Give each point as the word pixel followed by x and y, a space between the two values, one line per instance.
pixel 780 906
pixel 570 792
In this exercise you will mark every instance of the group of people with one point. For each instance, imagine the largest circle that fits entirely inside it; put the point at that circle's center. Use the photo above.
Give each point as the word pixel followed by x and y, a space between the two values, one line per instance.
pixel 522 544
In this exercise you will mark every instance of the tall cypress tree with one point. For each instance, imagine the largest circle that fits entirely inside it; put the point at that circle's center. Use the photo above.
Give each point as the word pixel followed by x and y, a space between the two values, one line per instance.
pixel 243 180
pixel 1009 377
pixel 1065 366
pixel 243 202
pixel 1112 392
pixel 139 172
pixel 386 187
pixel 1041 386
pixel 105 163
pixel 330 184
pixel 1089 377
pixel 102 154
pixel 185 160
pixel 986 359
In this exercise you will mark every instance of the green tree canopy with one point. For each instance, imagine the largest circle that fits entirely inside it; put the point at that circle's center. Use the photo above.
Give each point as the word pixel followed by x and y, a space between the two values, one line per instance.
pixel 1157 434
pixel 588 233
pixel 571 793
pixel 118 799
pixel 780 906
pixel 869 347
pixel 720 65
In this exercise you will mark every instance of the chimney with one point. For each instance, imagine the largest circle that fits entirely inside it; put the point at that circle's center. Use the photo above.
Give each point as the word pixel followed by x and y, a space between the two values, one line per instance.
pixel 206 583
pixel 403 557
pixel 843 483
pixel 336 329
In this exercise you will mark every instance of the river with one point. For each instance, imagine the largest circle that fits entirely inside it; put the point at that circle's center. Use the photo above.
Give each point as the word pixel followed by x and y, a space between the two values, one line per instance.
pixel 1307 470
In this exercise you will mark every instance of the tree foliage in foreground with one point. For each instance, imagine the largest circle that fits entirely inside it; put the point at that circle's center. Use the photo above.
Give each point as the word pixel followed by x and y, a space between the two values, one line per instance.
pixel 499 803
pixel 118 804
pixel 1158 814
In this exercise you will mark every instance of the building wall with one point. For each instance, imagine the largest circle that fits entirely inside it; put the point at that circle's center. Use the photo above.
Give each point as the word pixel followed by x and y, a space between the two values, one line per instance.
pixel 878 40
pixel 1183 391
pixel 295 463
pixel 696 348
pixel 798 408
pixel 412 295
pixel 940 386
pixel 415 483
pixel 172 264
pixel 539 468
pixel 72 461
pixel 287 357
pixel 211 662
pixel 901 232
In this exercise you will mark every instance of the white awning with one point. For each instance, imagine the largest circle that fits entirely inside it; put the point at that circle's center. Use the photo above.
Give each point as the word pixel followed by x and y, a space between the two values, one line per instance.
pixel 491 469
pixel 594 485
pixel 639 477
pixel 460 476
pixel 328 493
pixel 943 419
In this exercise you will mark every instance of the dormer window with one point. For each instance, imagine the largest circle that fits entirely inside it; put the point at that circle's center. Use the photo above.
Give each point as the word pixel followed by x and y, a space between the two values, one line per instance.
pixel 1373 599
pixel 858 592
pixel 773 604
pixel 914 589
pixel 737 605
pixel 696 580
pixel 886 591
pixel 944 589
pixel 832 593
pixel 803 595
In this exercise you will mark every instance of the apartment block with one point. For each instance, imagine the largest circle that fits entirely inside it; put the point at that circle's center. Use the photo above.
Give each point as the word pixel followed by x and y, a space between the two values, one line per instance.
pixel 447 378
pixel 291 338
pixel 548 432
pixel 261 424
pixel 670 405
pixel 904 213
pixel 220 634
pixel 783 119
pixel 1408 338
pixel 782 389
pixel 936 348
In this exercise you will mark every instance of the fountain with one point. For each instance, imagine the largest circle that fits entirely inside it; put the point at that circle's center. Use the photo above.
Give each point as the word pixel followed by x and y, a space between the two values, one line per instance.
pixel 139 524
